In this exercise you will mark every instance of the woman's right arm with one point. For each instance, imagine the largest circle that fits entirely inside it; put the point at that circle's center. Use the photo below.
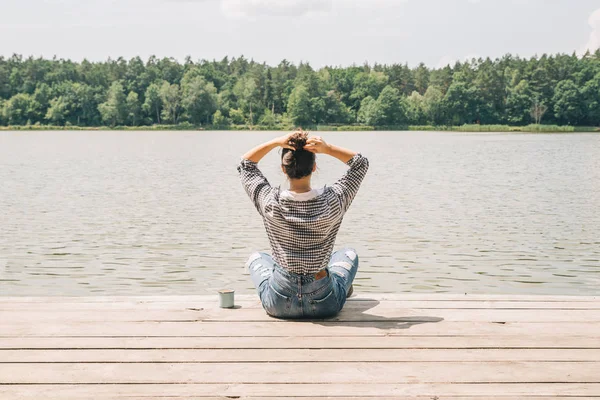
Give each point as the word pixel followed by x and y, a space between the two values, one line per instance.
pixel 317 145
pixel 344 155
pixel 347 186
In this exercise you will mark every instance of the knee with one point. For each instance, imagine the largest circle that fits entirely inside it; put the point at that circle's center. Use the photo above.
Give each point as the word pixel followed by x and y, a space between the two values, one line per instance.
pixel 253 257
pixel 351 254
pixel 341 264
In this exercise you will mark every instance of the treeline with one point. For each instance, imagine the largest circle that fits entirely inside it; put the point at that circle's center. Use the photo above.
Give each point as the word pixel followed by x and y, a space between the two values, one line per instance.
pixel 559 89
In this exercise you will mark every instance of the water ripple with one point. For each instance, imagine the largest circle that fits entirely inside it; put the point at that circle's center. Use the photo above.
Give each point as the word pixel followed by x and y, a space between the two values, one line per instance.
pixel 122 213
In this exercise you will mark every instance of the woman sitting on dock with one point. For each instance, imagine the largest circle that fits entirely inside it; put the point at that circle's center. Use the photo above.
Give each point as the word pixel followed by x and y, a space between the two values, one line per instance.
pixel 303 279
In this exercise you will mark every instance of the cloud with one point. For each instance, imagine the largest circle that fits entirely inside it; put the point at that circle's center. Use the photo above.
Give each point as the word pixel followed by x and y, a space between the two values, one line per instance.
pixel 241 9
pixel 274 8
pixel 593 42
pixel 371 4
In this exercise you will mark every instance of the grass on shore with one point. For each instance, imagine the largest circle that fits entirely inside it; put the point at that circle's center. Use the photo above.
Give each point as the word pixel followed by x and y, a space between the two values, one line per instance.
pixel 533 128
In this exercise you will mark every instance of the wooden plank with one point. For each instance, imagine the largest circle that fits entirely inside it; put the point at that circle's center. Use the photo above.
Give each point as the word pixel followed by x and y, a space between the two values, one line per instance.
pixel 442 391
pixel 475 304
pixel 380 314
pixel 316 342
pixel 253 297
pixel 126 306
pixel 426 397
pixel 91 395
pixel 298 355
pixel 254 303
pixel 376 313
pixel 350 398
pixel 201 302
pixel 382 327
pixel 351 305
pixel 325 372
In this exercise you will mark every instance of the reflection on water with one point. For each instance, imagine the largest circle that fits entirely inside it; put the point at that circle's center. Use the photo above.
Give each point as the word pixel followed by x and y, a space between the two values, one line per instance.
pixel 84 213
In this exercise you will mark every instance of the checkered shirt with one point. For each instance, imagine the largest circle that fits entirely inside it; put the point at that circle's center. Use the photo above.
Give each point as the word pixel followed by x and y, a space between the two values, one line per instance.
pixel 302 233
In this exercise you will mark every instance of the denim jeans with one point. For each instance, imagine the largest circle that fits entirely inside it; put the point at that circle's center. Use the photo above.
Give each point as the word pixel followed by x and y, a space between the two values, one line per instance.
pixel 291 296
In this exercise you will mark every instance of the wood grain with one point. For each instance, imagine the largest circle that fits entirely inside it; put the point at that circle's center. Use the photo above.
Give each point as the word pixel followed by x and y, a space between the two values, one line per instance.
pixel 387 346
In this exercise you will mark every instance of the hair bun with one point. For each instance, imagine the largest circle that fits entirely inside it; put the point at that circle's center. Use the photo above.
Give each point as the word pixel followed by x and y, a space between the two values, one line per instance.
pixel 298 140
pixel 297 163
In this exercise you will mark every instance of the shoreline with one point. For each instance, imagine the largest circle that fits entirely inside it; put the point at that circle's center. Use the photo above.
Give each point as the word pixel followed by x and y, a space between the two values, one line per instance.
pixel 321 128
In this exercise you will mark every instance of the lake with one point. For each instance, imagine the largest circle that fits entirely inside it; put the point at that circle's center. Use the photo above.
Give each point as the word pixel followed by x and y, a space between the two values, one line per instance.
pixel 141 213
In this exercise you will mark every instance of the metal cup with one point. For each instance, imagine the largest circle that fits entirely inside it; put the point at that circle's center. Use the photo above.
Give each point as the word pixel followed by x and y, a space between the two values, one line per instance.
pixel 226 298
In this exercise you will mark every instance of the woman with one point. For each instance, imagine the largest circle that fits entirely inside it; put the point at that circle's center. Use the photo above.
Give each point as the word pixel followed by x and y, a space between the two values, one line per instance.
pixel 302 279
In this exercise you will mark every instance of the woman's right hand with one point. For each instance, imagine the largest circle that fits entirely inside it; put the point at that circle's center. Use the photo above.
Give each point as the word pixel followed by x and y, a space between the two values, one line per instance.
pixel 317 145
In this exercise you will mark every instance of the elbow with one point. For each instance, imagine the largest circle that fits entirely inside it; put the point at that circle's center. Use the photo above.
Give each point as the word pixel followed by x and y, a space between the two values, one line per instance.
pixel 365 162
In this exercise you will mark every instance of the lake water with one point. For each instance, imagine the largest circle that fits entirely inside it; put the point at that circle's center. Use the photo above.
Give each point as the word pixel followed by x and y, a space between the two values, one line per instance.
pixel 129 213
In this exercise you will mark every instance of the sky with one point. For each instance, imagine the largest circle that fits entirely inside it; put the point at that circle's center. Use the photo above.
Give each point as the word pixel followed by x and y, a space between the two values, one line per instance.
pixel 321 32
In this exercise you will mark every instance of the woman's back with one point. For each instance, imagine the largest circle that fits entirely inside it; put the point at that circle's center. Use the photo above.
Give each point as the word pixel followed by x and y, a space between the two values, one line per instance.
pixel 302 233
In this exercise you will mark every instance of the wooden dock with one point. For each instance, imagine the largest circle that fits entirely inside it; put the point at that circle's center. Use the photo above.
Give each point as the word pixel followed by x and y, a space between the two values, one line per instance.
pixel 386 346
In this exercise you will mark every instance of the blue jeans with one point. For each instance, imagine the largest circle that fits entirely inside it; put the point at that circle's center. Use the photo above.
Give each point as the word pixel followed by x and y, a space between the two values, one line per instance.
pixel 284 294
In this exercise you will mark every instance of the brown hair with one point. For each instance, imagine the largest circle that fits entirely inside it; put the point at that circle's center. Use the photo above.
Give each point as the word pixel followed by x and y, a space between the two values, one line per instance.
pixel 297 163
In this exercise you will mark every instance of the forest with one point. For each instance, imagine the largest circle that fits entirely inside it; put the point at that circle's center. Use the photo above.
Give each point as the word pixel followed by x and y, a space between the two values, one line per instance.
pixel 238 93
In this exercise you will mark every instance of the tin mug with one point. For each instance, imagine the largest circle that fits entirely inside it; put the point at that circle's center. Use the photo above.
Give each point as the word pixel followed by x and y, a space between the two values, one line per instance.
pixel 226 298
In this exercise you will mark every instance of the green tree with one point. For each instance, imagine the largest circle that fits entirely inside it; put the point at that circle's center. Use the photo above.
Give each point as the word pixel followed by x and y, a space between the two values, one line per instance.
pixel 282 82
pixel 58 111
pixel 433 105
pixel 461 102
pixel 18 109
pixel 248 96
pixel 41 97
pixel 415 109
pixel 542 81
pixel 299 107
pixel 370 112
pixel 335 111
pixel 170 96
pixel 237 116
pixel 81 102
pixel 421 79
pixel 567 102
pixel 153 102
pixel 318 109
pixel 84 100
pixel 392 107
pixel 226 101
pixel 519 103
pixel 491 92
pixel 114 109
pixel 134 109
pixel 367 84
pixel 199 100
pixel 220 121
pixel 268 119
pixel 591 101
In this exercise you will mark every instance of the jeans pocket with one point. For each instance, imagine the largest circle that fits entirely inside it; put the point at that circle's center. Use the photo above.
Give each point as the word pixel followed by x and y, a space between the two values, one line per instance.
pixel 324 299
pixel 275 303
pixel 324 303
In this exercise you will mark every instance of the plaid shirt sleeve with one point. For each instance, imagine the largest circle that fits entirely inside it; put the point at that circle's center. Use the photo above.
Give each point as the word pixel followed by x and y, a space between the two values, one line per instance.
pixel 255 184
pixel 347 186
